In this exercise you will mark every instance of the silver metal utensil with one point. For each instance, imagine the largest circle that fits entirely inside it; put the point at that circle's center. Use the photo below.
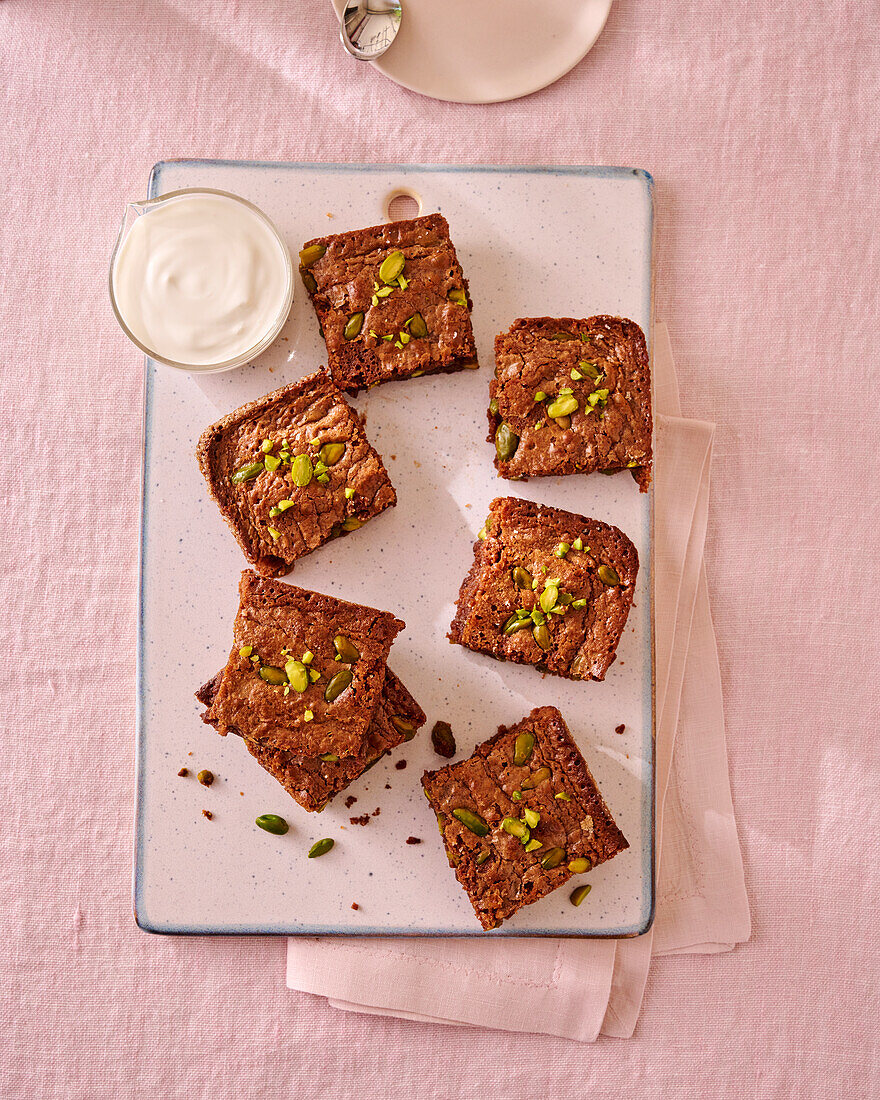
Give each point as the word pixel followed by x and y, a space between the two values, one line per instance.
pixel 369 27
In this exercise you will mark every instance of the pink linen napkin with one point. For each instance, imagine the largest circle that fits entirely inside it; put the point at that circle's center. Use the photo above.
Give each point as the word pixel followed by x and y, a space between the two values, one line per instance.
pixel 579 989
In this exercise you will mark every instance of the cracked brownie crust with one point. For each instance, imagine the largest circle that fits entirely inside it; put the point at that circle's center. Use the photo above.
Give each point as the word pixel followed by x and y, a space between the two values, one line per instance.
pixel 278 624
pixel 313 781
pixel 362 311
pixel 514 863
pixel 319 479
pixel 596 410
pixel 506 605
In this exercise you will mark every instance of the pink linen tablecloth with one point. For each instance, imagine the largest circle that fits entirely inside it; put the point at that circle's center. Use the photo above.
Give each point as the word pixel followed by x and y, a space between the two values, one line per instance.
pixel 759 125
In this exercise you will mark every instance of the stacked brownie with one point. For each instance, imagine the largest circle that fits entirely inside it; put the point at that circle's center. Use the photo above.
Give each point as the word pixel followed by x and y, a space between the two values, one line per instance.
pixel 307 687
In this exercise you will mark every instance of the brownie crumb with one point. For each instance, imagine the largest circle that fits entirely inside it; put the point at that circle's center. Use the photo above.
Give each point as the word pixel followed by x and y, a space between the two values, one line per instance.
pixel 355 905
pixel 205 777
pixel 387 786
pixel 413 840
pixel 620 728
pixel 400 765
pixel 207 814
pixel 443 740
pixel 364 819
pixel 350 801
pixel 376 812
pixel 183 771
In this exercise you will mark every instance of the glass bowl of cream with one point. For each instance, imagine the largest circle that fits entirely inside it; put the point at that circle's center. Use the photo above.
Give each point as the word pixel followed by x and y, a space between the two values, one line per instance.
pixel 200 279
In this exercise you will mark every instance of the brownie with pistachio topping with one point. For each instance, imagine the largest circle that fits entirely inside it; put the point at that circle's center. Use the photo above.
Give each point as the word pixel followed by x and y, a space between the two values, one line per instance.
pixel 521 816
pixel 391 300
pixel 547 588
pixel 571 397
pixel 291 471
pixel 314 780
pixel 306 671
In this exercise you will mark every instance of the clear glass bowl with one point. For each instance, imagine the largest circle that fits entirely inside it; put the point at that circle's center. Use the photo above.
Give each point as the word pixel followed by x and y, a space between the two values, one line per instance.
pixel 134 210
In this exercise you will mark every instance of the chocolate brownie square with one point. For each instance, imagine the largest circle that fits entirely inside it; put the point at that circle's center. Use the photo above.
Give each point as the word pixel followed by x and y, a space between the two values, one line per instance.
pixel 571 396
pixel 291 471
pixel 306 671
pixel 521 816
pixel 547 588
pixel 392 302
pixel 314 780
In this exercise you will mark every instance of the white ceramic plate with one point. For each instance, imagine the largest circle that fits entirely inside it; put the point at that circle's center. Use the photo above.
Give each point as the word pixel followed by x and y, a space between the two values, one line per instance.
pixel 486 51
pixel 567 241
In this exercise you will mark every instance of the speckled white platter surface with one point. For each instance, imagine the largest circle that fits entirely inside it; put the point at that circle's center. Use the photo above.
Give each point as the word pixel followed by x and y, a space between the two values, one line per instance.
pixel 560 242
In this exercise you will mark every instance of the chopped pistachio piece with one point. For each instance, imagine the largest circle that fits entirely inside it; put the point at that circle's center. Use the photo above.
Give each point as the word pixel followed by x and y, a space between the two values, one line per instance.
pixel 275 533
pixel 349 492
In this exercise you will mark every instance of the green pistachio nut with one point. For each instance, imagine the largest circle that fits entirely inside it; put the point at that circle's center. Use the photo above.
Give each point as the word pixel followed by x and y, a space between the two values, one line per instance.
pixel 246 473
pixel 302 471
pixel 346 649
pixel 506 442
pixel 404 726
pixel 549 597
pixel 391 267
pixel 536 779
pixel 331 453
pixel 312 254
pixel 297 675
pixel 471 821
pixel 523 748
pixel 515 827
pixel 337 685
pixel 608 575
pixel 553 858
pixel 272 823
pixel 564 405
pixel 522 578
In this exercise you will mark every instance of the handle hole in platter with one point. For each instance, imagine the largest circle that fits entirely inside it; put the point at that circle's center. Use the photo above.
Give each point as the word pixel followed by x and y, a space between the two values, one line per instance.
pixel 403 203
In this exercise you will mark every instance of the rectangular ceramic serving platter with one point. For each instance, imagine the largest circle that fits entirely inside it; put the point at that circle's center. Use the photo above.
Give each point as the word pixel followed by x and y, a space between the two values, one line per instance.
pixel 570 241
